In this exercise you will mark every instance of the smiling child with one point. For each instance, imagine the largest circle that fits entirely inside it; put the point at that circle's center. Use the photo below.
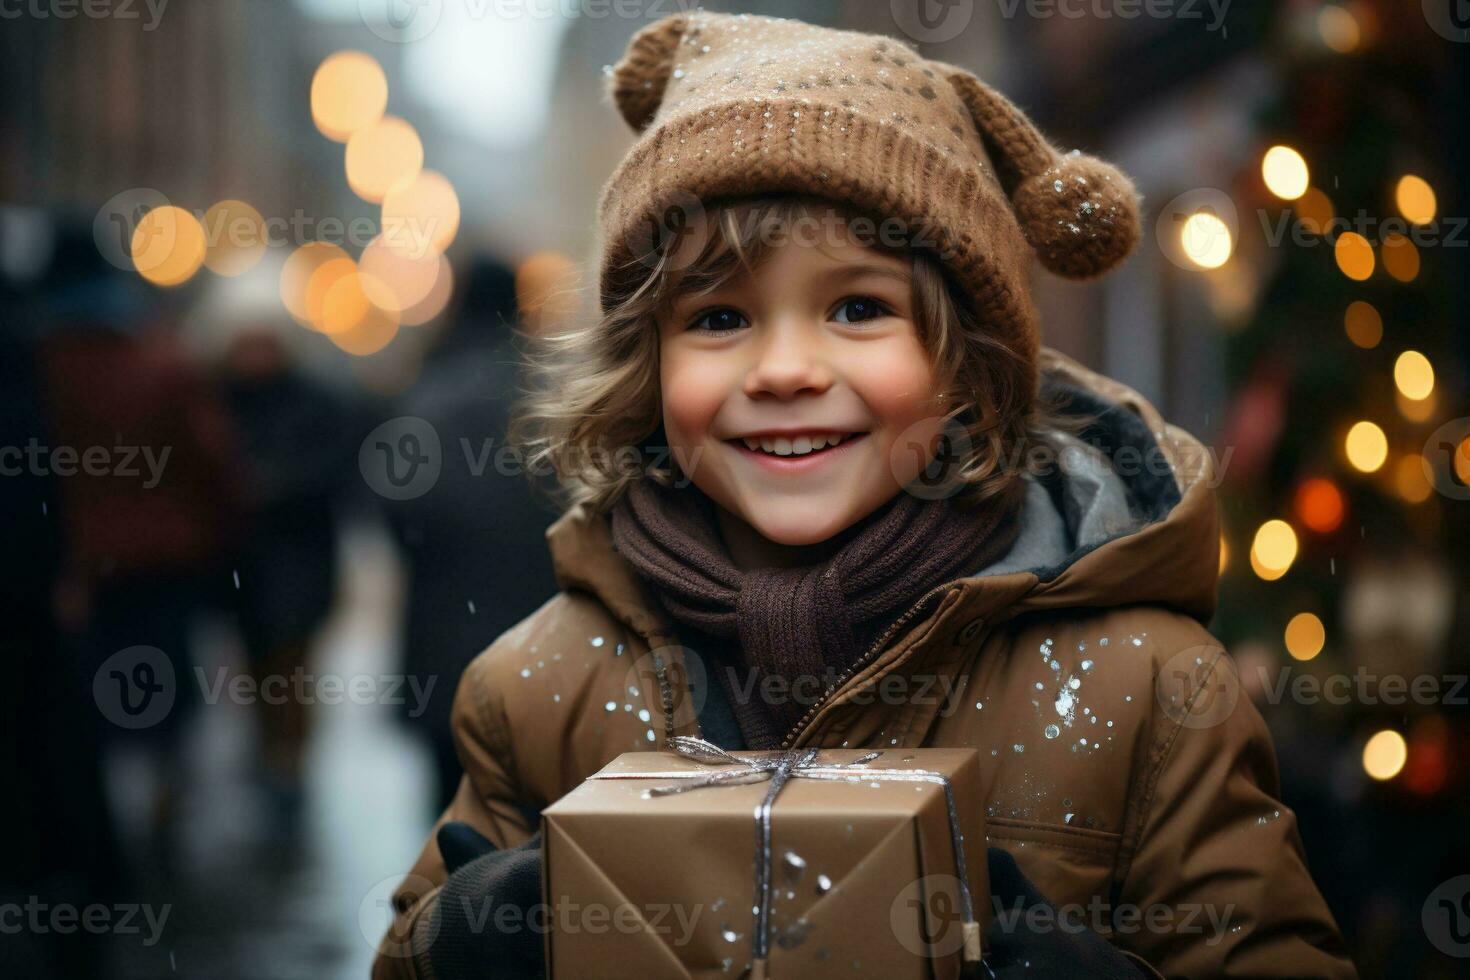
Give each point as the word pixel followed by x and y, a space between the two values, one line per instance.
pixel 870 480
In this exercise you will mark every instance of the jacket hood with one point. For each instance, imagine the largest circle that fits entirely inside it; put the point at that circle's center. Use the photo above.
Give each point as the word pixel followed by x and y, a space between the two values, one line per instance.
pixel 1126 513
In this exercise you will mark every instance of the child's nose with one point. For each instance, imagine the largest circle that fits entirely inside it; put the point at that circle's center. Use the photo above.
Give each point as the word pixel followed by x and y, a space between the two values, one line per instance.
pixel 788 361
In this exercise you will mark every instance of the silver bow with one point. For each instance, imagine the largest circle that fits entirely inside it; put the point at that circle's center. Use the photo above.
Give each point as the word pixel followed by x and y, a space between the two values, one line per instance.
pixel 778 768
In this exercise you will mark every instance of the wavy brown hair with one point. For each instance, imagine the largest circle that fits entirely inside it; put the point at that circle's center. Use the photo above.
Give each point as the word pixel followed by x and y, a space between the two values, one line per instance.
pixel 593 410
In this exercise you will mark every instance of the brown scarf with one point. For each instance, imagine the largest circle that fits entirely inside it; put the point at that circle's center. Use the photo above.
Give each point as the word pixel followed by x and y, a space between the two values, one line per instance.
pixel 802 625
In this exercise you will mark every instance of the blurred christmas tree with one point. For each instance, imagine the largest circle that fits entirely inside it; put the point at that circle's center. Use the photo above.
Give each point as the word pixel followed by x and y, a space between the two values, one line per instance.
pixel 1344 494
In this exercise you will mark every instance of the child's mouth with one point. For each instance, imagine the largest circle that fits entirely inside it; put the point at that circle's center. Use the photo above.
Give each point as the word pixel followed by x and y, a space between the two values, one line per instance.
pixel 795 462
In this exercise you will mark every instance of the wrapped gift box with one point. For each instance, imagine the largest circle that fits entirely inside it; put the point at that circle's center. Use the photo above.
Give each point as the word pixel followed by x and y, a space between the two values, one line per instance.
pixel 651 871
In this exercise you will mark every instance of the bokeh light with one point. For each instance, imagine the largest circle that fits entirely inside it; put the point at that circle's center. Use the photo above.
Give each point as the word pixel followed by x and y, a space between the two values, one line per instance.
pixel 1206 240
pixel 1354 255
pixel 1305 636
pixel 1366 446
pixel 381 155
pixel 409 278
pixel 1385 754
pixel 235 236
pixel 1338 28
pixel 1400 257
pixel 323 280
pixel 435 301
pixel 1415 199
pixel 1409 480
pixel 1285 172
pixel 1319 505
pixel 1414 375
pixel 168 246
pixel 1364 325
pixel 348 91
pixel 1273 549
pixel 1314 210
pixel 421 215
pixel 296 277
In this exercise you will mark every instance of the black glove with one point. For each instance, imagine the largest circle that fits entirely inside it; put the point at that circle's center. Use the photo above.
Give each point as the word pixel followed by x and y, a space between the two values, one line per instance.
pixel 1039 946
pixel 488 921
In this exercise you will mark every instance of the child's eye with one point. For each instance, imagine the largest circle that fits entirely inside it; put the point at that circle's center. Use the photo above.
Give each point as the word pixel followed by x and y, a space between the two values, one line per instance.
pixel 860 308
pixel 718 320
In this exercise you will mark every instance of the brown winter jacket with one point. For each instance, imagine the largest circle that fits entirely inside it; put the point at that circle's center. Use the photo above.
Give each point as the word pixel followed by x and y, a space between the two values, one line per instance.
pixel 1121 769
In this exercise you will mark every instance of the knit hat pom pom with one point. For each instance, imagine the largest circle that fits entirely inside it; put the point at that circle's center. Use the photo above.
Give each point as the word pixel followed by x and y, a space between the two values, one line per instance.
pixel 637 81
pixel 1080 215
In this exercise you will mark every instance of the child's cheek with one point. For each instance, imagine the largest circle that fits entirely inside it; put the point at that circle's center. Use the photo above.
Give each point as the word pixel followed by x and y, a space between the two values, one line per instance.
pixel 693 390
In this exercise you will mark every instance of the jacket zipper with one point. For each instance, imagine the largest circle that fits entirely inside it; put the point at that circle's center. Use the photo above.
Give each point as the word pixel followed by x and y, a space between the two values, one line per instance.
pixel 862 661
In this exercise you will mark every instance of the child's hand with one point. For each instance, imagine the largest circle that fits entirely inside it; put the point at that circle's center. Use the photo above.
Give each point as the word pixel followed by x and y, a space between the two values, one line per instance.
pixel 1021 943
pixel 472 929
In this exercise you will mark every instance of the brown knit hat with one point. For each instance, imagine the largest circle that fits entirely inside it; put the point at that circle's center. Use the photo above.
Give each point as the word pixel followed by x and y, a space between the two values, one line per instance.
pixel 736 104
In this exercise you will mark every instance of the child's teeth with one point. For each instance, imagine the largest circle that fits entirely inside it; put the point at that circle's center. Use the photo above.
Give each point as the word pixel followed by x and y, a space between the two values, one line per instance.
pixel 800 446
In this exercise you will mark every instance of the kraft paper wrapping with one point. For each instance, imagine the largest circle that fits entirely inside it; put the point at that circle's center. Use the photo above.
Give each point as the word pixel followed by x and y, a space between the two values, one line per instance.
pixel 863 871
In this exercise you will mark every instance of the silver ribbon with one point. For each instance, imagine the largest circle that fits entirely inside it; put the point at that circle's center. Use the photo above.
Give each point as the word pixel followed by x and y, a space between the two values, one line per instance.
pixel 778 768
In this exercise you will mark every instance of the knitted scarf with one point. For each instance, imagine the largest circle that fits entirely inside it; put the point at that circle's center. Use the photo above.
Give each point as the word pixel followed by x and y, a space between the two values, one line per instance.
pixel 799 626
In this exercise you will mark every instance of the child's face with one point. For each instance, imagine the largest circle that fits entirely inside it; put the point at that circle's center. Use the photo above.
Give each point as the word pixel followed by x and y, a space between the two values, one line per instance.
pixel 819 340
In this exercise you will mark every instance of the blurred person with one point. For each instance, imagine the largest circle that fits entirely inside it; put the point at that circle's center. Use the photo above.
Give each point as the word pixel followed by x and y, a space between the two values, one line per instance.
pixel 293 466
pixel 474 543
pixel 141 451
pixel 57 815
